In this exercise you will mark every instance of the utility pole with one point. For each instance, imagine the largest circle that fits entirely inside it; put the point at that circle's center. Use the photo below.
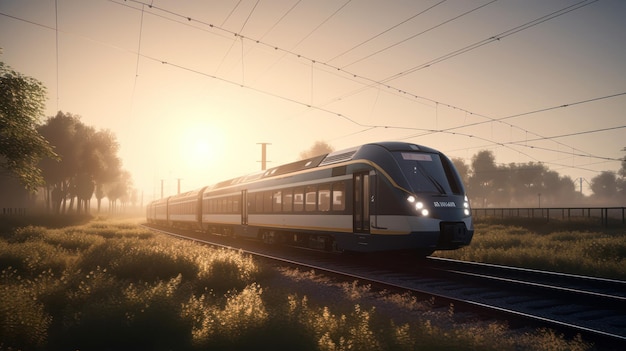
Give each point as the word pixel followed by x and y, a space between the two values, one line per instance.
pixel 178 184
pixel 162 188
pixel 264 155
pixel 581 185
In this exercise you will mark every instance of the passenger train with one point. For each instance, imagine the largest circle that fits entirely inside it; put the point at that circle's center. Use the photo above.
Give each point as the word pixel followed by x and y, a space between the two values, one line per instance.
pixel 375 197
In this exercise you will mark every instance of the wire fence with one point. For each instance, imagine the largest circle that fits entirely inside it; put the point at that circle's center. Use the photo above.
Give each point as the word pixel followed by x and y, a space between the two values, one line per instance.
pixel 603 215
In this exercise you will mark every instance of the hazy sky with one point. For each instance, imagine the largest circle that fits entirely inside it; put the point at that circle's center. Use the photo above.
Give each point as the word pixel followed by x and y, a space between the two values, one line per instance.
pixel 190 87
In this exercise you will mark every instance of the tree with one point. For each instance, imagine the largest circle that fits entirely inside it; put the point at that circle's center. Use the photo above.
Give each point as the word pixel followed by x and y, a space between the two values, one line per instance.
pixel 119 190
pixel 61 130
pixel 89 161
pixel 621 181
pixel 481 182
pixel 604 185
pixel 319 148
pixel 22 101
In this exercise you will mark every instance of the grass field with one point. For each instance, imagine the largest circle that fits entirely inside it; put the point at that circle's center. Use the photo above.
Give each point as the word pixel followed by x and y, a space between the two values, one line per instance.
pixel 581 247
pixel 105 284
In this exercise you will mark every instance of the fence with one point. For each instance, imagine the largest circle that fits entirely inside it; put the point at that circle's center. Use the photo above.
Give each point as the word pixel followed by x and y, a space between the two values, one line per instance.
pixel 13 211
pixel 604 215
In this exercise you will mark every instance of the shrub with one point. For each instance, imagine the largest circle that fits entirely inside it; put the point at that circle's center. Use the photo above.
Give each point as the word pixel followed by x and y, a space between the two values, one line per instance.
pixel 599 253
pixel 23 320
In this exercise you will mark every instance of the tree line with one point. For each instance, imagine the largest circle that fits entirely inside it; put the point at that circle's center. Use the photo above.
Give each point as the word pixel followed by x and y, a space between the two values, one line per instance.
pixel 64 159
pixel 88 166
pixel 535 185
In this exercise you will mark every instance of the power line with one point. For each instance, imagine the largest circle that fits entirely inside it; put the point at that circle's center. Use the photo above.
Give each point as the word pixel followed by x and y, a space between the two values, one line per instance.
pixel 321 24
pixel 493 38
pixel 420 33
pixel 387 30
pixel 281 19
pixel 369 127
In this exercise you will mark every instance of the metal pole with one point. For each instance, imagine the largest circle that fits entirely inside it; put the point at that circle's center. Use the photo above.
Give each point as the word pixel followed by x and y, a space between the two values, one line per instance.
pixel 264 155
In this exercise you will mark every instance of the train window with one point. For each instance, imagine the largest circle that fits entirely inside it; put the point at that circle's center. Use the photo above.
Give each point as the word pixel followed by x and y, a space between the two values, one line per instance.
pixel 287 200
pixel 311 198
pixel 323 195
pixel 235 207
pixel 276 202
pixel 298 199
pixel 267 201
pixel 339 201
pixel 256 202
pixel 424 172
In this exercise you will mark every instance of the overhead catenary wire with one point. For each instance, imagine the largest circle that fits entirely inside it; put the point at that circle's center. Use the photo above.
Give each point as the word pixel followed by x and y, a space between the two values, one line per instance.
pixel 369 127
pixel 386 30
pixel 491 39
pixel 366 126
pixel 420 33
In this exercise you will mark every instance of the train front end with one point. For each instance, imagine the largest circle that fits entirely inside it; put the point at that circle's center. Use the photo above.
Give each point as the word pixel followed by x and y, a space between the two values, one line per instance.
pixel 442 217
pixel 419 201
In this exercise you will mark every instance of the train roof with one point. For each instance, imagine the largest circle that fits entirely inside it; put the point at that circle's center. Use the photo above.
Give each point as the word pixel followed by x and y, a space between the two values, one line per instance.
pixel 321 160
pixel 313 162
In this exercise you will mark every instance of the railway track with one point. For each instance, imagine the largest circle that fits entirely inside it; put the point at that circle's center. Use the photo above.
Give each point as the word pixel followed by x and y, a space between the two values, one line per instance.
pixel 571 304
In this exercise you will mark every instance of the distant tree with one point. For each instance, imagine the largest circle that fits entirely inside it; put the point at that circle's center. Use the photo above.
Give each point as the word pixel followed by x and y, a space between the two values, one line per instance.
pixel 527 182
pixel 462 168
pixel 604 185
pixel 119 190
pixel 622 171
pixel 22 101
pixel 319 148
pixel 482 180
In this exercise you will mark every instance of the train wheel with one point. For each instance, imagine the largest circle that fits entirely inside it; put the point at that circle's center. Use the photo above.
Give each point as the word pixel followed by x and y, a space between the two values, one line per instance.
pixel 268 237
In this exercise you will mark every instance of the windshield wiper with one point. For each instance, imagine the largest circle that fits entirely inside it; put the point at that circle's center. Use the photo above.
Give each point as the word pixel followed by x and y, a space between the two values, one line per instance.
pixel 430 178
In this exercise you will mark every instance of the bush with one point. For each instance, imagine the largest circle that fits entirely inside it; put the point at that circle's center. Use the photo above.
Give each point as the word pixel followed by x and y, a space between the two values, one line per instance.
pixel 599 253
pixel 115 286
pixel 23 320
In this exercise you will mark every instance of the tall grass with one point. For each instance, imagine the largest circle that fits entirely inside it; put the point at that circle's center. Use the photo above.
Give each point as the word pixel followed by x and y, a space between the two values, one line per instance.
pixel 113 285
pixel 576 248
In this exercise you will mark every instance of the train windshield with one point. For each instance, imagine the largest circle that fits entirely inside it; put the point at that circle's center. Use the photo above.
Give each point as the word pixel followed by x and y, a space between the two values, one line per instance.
pixel 426 173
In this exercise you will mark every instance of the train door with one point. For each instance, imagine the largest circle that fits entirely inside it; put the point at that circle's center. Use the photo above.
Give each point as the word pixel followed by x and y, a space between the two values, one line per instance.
pixel 361 216
pixel 244 207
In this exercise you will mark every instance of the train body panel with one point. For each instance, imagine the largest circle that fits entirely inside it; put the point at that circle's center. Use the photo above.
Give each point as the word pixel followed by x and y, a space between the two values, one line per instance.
pixel 375 197
pixel 315 223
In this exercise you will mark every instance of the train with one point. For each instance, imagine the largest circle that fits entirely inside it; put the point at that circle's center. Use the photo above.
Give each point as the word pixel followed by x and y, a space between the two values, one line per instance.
pixel 376 197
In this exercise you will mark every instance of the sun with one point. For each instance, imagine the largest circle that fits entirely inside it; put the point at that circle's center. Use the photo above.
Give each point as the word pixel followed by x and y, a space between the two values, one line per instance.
pixel 199 146
pixel 201 149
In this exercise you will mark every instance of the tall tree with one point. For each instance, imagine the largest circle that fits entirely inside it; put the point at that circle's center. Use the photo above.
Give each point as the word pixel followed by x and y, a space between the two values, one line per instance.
pixel 89 160
pixel 481 182
pixel 22 101
pixel 604 186
pixel 61 130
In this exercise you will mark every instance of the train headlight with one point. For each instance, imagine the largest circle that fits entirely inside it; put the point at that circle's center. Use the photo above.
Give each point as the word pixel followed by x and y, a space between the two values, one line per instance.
pixel 466 211
pixel 466 206
pixel 419 206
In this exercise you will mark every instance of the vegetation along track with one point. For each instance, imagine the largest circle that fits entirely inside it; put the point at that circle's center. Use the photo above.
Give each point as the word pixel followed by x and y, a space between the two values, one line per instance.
pixel 592 307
